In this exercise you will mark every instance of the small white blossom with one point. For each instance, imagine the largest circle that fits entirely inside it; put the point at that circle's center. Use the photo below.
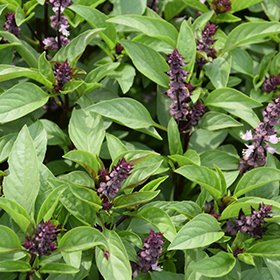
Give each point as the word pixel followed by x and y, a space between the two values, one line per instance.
pixel 247 136
pixel 273 139
pixel 247 152
pixel 271 150
pixel 63 30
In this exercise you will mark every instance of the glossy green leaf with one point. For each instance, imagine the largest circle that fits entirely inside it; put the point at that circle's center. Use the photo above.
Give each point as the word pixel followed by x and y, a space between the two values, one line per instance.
pixel 6 145
pixel 79 177
pixel 96 19
pixel 125 111
pixel 115 146
pixel 160 219
pixel 222 179
pixel 82 238
pixel 14 266
pixel 9 241
pixel 238 5
pixel 45 68
pixel 50 204
pixel 134 199
pixel 8 72
pixel 117 266
pixel 85 159
pixel 60 268
pixel 126 7
pixel 216 266
pixel 248 32
pixel 174 140
pixel 188 208
pixel 201 231
pixel 147 61
pixel 265 64
pixel 86 195
pixel 76 47
pixel 86 131
pixel 250 274
pixel 197 5
pixel 172 8
pixel 24 51
pixel 16 212
pixel 22 184
pixel 100 72
pixel 256 178
pixel 273 265
pixel 218 71
pixel 166 275
pixel 230 98
pixel 269 248
pixel 131 237
pixel 275 65
pixel 203 176
pixel 200 22
pixel 187 46
pixel 20 100
pixel 222 159
pixel 153 27
pixel 216 120
pixel 154 184
pixel 242 61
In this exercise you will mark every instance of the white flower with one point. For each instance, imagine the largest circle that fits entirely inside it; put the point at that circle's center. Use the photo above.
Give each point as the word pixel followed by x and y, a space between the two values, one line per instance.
pixel 271 150
pixel 63 30
pixel 247 152
pixel 247 136
pixel 273 139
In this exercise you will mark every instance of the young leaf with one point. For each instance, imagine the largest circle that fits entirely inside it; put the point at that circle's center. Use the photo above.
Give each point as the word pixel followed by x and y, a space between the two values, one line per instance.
pixel 152 27
pixel 86 131
pixel 116 265
pixel 265 64
pixel 166 275
pixel 96 19
pixel 20 100
pixel 188 208
pixel 14 266
pixel 269 248
pixel 115 146
pixel 126 7
pixel 143 56
pixel 6 145
pixel 201 231
pixel 134 199
pixel 9 241
pixel 153 185
pixel 82 238
pixel 216 266
pixel 202 176
pixel 250 31
pixel 242 61
pixel 60 268
pixel 256 178
pixel 174 140
pixel 22 185
pixel 238 5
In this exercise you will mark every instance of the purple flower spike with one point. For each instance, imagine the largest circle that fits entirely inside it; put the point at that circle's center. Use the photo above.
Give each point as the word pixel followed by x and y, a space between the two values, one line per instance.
pixel 221 6
pixel 150 252
pixel 11 26
pixel 62 72
pixel 62 3
pixel 43 243
pixel 270 84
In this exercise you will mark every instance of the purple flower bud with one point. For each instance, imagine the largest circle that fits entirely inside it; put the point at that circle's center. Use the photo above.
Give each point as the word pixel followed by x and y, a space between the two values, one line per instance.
pixel 43 243
pixel 62 3
pixel 270 84
pixel 55 23
pixel 196 112
pixel 62 72
pixel 150 252
pixel 11 26
pixel 51 43
pixel 221 6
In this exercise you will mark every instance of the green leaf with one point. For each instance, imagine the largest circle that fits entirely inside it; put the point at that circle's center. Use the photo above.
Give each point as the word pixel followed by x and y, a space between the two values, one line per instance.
pixel 124 74
pixel 222 159
pixel 60 268
pixel 223 181
pixel 188 208
pixel 22 184
pixel 16 212
pixel 218 71
pixel 160 219
pixel 246 33
pixel 76 47
pixel 2 8
pixel 187 46
pixel 231 99
pixel 147 61
pixel 153 27
pixel 203 176
pixel 201 231
pixel 271 9
pixel 21 100
pixel 9 241
pixel 21 48
pixel 173 7
pixel 8 72
pixel 14 266
pixel 49 205
pixel 134 199
pixel 131 237
pixel 153 185
pixel 86 131
pixel 174 140
pixel 126 7
pixel 265 64
pixel 85 159
pixel 80 178
pixel 96 19
pixel 115 146
pixel 256 178
pixel 216 266
pixel 117 266
pixel 82 238
pixel 225 17
pixel 216 120
pixel 242 61
pixel 6 145
pixel 270 248
pixel 125 111
pixel 197 5
pixel 201 21
pixel 275 65
pixel 273 265
pixel 166 275
pixel 238 5
pixel 100 72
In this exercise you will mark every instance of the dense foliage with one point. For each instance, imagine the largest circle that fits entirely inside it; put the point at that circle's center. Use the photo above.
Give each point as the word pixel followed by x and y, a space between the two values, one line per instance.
pixel 139 139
